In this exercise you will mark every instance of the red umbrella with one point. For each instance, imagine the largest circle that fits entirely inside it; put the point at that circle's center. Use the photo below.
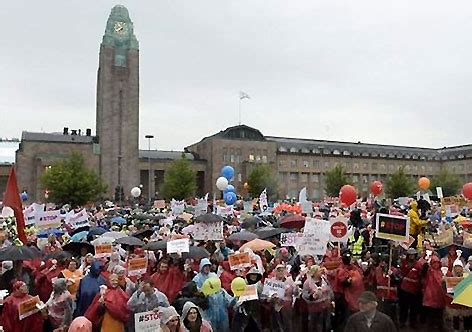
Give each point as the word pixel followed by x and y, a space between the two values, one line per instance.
pixel 292 221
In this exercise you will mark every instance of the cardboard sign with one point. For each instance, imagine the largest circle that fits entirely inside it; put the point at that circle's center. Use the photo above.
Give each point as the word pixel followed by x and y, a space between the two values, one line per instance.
pixel 177 207
pixel 452 282
pixel 28 307
pixel 178 246
pixel 79 219
pixel 202 206
pixel 445 238
pixel 147 321
pixel 315 237
pixel 49 219
pixel 137 266
pixel 239 261
pixel 249 294
pixel 338 229
pixel 392 227
pixel 159 204
pixel 272 286
pixel 203 231
pixel 103 250
pixel 290 239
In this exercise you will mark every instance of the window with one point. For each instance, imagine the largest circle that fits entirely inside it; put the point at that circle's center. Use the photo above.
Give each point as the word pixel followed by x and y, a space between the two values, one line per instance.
pixel 366 166
pixel 391 167
pixel 326 165
pixel 232 158
pixel 315 178
pixel 304 177
pixel 294 177
pixel 365 179
pixel 293 150
pixel 355 178
pixel 251 157
pixel 264 159
pixel 293 163
pixel 306 163
pixel 383 167
pixel 316 164
pixel 374 166
pixel 281 163
pixel 225 153
pixel 336 152
pixel 258 158
pixel 356 166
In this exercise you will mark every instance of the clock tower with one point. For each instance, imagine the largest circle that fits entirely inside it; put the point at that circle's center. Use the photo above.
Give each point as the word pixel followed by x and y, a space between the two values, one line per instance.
pixel 118 104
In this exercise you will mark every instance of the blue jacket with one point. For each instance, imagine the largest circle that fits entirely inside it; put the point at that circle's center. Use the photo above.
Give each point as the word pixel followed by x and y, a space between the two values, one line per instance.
pixel 89 287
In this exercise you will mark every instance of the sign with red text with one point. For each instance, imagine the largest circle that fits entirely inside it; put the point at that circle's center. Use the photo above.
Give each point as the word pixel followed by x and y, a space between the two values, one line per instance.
pixel 392 227
pixel 28 307
pixel 137 266
pixel 103 250
pixel 147 321
pixel 338 229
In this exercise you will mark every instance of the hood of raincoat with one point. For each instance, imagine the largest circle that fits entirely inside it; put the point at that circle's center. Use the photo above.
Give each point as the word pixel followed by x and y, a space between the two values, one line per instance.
pixel 95 269
pixel 255 271
pixel 60 285
pixel 187 306
pixel 204 262
pixel 414 205
pixel 166 314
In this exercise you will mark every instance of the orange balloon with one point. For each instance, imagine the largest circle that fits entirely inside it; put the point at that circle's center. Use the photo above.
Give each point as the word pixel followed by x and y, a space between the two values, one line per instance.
pixel 424 183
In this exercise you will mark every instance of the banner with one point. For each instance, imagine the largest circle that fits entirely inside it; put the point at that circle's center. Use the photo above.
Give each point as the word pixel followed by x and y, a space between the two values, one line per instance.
pixel 239 261
pixel 452 282
pixel 49 219
pixel 28 307
pixel 290 239
pixel 250 294
pixel 147 321
pixel 178 246
pixel 204 231
pixel 272 286
pixel 137 266
pixel 177 207
pixel 103 250
pixel 159 204
pixel 315 237
pixel 338 229
pixel 33 213
pixel 79 219
pixel 392 227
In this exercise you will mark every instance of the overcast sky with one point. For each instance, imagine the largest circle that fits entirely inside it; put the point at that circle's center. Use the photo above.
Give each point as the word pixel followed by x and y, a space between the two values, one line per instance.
pixel 391 72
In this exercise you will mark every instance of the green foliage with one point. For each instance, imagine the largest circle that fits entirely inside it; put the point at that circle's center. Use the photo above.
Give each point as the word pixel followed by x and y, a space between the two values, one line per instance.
pixel 180 180
pixel 334 179
pixel 70 181
pixel 261 177
pixel 449 182
pixel 399 184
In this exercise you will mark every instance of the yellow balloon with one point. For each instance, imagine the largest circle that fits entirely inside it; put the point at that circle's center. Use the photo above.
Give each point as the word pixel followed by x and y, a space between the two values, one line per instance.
pixel 238 285
pixel 211 286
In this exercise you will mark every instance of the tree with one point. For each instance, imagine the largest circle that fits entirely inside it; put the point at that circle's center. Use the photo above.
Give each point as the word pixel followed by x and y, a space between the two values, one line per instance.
pixel 335 178
pixel 262 177
pixel 180 180
pixel 450 183
pixel 399 184
pixel 70 181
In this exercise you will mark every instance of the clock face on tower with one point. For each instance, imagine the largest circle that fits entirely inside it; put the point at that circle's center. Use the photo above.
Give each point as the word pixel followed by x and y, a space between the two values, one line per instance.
pixel 120 27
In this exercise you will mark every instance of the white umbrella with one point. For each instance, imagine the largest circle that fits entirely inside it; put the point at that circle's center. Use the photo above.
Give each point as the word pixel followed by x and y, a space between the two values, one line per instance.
pixel 114 235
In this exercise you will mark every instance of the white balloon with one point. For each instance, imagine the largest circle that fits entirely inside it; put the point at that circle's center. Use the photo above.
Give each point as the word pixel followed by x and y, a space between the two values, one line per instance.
pixel 221 183
pixel 136 192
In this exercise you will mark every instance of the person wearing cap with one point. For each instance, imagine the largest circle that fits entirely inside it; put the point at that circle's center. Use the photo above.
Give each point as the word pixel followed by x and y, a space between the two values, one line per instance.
pixel 409 292
pixel 369 318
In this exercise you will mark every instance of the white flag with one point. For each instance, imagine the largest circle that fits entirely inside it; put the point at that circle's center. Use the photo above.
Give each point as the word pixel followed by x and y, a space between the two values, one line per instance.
pixel 243 95
pixel 302 196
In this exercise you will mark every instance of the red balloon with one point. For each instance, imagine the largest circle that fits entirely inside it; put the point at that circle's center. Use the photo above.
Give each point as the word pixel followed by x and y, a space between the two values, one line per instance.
pixel 376 188
pixel 347 194
pixel 467 190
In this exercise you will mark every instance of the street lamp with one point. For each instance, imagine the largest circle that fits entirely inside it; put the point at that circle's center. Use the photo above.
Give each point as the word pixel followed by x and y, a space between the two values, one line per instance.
pixel 149 137
pixel 321 148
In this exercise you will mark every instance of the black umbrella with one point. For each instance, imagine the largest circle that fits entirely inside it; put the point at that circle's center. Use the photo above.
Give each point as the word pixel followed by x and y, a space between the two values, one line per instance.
pixel 269 231
pixel 141 234
pixel 75 247
pixel 19 253
pixel 59 255
pixel 242 236
pixel 209 217
pixel 251 222
pixel 97 231
pixel 196 253
pixel 130 241
pixel 156 245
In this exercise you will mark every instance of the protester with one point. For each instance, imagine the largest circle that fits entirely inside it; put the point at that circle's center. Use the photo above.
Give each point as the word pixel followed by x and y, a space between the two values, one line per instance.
pixel 169 278
pixel 80 324
pixel 192 320
pixel 59 305
pixel 433 294
pixel 170 321
pixel 190 293
pixel 318 295
pixel 89 287
pixel 73 277
pixel 204 272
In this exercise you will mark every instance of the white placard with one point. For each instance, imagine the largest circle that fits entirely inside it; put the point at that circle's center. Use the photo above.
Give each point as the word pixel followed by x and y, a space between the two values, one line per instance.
pixel 439 192
pixel 201 207
pixel 204 231
pixel 177 207
pixel 315 237
pixel 307 207
pixel 147 321
pixel 248 207
pixel 224 210
pixel 338 229
pixel 49 219
pixel 290 239
pixel 178 246
pixel 79 219
pixel 33 213
pixel 272 286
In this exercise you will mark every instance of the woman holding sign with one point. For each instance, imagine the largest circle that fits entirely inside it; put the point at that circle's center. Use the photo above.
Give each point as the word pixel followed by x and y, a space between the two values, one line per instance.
pixel 20 313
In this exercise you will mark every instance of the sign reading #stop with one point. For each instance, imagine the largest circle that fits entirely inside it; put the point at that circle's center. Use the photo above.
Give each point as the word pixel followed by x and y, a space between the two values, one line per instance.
pixel 338 229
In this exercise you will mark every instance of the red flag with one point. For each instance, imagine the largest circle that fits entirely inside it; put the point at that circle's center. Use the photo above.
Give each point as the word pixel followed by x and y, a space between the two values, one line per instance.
pixel 12 199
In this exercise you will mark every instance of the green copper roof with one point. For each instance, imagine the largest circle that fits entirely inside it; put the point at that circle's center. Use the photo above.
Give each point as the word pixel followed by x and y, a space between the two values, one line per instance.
pixel 119 32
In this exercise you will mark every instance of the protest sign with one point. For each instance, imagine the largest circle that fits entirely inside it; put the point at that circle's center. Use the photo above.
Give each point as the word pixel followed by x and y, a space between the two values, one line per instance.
pixel 467 237
pixel 439 192
pixel 392 227
pixel 28 307
pixel 315 237
pixel 249 294
pixel 307 207
pixel 49 219
pixel 445 238
pixel 290 239
pixel 177 207
pixel 338 229
pixel 407 244
pixel 137 266
pixel 178 246
pixel 159 204
pixel 76 220
pixel 202 206
pixel 263 204
pixel 272 286
pixel 452 282
pixel 451 210
pixel 32 213
pixel 248 207
pixel 224 211
pixel 147 321
pixel 103 250
pixel 239 261
pixel 204 231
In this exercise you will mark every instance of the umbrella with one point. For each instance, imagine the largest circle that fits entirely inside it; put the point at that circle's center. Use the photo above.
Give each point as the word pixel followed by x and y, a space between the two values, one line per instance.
pixel 269 231
pixel 79 236
pixel 118 220
pixel 102 240
pixel 242 236
pixel 257 245
pixel 143 233
pixel 59 255
pixel 251 222
pixel 80 229
pixel 47 232
pixel 19 253
pixel 96 231
pixel 196 253
pixel 76 247
pixel 114 235
pixel 156 245
pixel 130 241
pixel 443 251
pixel 209 217
pixel 292 221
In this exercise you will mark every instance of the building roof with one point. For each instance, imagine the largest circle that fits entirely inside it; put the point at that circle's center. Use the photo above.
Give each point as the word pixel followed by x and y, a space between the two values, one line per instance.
pixel 164 155
pixel 56 137
pixel 239 132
